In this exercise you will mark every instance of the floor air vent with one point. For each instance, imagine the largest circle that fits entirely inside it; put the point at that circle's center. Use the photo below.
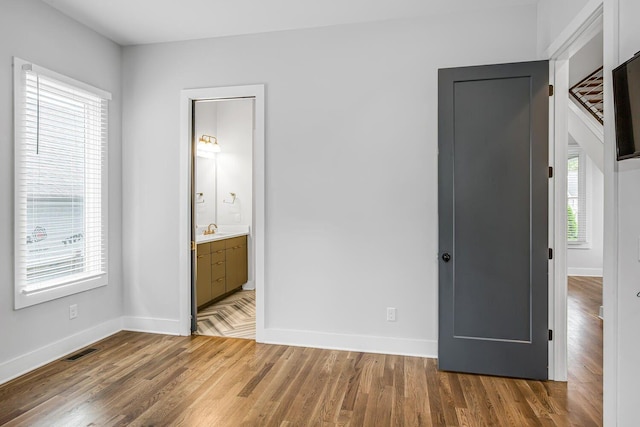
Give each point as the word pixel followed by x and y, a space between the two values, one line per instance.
pixel 81 354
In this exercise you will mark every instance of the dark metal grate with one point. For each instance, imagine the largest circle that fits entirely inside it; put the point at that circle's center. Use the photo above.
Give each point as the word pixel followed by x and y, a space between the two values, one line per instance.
pixel 81 354
pixel 589 93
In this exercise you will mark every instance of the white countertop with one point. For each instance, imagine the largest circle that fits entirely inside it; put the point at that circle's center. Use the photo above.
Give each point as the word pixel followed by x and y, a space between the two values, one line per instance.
pixel 224 232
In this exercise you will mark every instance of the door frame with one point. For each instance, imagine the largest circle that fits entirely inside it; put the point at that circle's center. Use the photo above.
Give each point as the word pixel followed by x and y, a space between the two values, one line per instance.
pixel 527 351
pixel 595 16
pixel 187 97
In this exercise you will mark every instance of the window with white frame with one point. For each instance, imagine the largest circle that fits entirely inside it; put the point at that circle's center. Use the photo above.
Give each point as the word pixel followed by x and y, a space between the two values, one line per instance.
pixel 576 197
pixel 60 185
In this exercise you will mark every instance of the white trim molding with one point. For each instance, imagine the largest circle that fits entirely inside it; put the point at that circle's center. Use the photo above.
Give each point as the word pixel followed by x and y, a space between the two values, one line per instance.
pixel 151 325
pixel 590 272
pixel 587 23
pixel 187 96
pixel 345 342
pixel 34 359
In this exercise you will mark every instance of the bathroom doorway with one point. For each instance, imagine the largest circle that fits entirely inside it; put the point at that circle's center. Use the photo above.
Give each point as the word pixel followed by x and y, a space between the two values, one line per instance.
pixel 222 213
pixel 223 190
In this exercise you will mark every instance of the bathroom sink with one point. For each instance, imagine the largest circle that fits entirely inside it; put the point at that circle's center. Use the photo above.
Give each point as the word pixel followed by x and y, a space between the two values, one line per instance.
pixel 226 232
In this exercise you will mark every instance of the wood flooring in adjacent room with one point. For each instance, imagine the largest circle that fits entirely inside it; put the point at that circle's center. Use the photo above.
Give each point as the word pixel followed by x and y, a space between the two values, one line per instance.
pixel 136 379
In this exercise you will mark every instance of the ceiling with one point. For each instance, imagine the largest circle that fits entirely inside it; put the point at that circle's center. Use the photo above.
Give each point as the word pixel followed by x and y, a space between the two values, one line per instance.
pixel 129 22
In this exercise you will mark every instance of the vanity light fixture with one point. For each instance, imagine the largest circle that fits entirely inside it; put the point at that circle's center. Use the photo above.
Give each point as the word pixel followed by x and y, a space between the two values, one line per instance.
pixel 208 146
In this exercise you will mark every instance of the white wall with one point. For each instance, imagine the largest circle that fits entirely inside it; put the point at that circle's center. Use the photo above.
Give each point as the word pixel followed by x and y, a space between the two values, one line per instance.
pixel 351 168
pixel 622 347
pixel 235 161
pixel 628 242
pixel 231 121
pixel 586 60
pixel 206 123
pixel 35 32
pixel 553 17
pixel 587 261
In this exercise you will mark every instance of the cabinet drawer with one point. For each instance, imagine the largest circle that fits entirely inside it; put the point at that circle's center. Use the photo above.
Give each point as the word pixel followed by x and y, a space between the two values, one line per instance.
pixel 217 270
pixel 218 287
pixel 218 256
pixel 217 265
pixel 217 245
pixel 234 242
pixel 203 248
pixel 203 280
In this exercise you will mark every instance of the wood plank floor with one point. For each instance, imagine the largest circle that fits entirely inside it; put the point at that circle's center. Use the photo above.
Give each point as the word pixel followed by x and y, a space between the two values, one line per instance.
pixel 136 379
pixel 234 317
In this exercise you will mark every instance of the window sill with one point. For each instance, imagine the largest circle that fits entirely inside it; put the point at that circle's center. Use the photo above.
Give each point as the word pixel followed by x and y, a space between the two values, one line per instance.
pixel 23 300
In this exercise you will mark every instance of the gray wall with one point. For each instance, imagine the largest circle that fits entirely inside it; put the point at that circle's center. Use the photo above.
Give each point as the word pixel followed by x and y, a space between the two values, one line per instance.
pixel 37 33
pixel 351 167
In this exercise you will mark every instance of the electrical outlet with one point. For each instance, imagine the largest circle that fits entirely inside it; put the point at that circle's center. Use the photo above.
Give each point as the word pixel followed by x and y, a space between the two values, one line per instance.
pixel 73 311
pixel 391 314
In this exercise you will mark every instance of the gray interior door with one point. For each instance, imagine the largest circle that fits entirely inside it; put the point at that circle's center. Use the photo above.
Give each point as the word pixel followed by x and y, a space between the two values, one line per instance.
pixel 493 219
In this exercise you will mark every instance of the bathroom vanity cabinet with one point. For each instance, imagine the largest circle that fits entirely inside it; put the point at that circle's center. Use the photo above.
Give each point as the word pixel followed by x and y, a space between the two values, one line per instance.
pixel 222 268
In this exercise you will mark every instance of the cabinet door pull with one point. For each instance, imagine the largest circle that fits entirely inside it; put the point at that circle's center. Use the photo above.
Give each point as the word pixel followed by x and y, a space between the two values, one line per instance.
pixel 200 256
pixel 220 279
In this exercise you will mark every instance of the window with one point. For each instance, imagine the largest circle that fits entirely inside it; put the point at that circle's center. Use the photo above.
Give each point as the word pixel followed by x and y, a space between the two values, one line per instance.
pixel 60 179
pixel 576 197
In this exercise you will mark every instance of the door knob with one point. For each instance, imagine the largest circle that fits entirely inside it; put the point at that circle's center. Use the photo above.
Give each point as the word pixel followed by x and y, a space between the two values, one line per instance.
pixel 446 257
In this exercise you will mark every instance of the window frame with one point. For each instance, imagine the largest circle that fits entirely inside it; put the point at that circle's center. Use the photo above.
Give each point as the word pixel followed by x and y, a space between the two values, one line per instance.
pixel 69 287
pixel 583 197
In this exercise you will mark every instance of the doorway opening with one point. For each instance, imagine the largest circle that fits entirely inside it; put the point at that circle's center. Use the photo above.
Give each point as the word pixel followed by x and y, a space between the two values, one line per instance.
pixel 585 213
pixel 222 214
pixel 578 207
pixel 222 199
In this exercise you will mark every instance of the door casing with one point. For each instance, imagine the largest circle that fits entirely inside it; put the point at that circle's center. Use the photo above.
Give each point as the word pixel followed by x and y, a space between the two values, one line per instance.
pixel 187 97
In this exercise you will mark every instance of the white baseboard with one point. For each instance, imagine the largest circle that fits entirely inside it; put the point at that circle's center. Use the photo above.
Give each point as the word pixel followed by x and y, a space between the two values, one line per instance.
pixel 592 272
pixel 362 343
pixel 34 359
pixel 249 286
pixel 151 325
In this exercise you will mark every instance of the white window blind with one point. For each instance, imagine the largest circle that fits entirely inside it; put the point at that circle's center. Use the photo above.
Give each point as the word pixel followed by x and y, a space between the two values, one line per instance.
pixel 576 197
pixel 61 144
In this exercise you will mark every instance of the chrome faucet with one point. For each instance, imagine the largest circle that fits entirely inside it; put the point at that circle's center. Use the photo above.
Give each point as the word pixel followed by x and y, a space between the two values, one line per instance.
pixel 210 230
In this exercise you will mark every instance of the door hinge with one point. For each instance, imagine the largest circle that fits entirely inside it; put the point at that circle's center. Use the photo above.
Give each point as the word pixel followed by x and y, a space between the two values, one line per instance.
pixel 550 171
pixel 550 253
pixel 550 334
pixel 550 90
pixel 193 245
